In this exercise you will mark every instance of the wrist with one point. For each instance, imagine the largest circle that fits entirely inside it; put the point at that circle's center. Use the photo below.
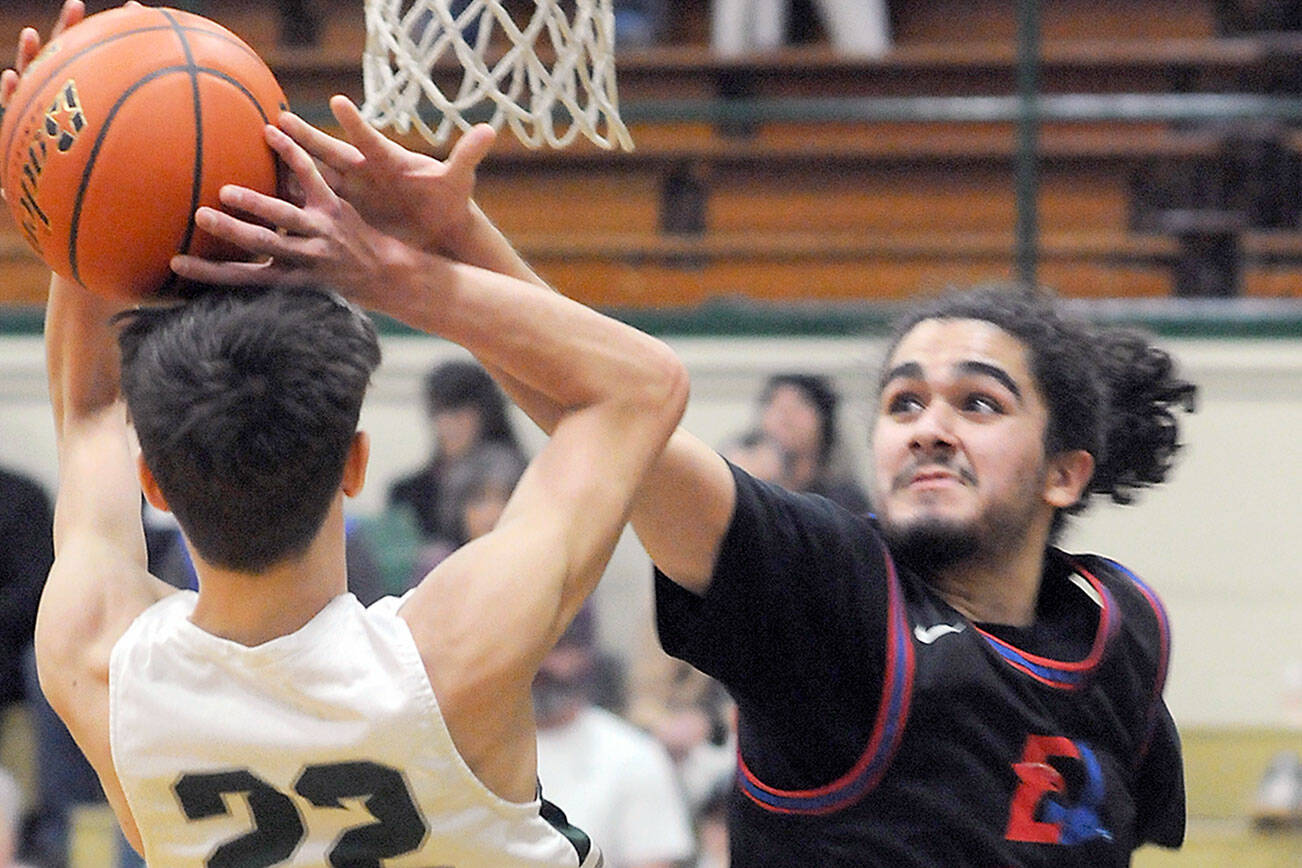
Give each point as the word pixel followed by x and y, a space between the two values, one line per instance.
pixel 411 286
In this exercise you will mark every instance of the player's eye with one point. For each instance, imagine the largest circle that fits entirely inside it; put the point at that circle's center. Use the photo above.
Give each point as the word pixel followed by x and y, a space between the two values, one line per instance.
pixel 904 403
pixel 983 404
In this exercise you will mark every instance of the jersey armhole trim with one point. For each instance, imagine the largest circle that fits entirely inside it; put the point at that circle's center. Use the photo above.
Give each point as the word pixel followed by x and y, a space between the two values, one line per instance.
pixel 1163 658
pixel 888 727
pixel 1062 674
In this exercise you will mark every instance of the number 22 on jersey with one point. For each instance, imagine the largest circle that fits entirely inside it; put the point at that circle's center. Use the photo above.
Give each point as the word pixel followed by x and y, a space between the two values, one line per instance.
pixel 278 827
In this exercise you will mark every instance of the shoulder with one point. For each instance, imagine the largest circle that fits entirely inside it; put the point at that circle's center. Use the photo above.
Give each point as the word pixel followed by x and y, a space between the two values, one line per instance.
pixel 1120 581
pixel 1142 616
pixel 159 617
pixel 405 487
pixel 805 512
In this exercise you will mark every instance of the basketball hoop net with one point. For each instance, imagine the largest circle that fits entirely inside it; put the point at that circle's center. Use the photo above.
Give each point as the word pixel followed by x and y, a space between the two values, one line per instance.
pixel 406 39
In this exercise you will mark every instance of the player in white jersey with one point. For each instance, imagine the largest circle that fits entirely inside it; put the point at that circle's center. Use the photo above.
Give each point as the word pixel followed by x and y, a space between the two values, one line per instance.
pixel 269 719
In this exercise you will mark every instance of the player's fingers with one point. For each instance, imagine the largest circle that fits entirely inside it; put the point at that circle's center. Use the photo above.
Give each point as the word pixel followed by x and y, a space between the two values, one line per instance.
pixel 325 148
pixel 72 12
pixel 470 149
pixel 256 239
pixel 367 139
pixel 29 44
pixel 8 84
pixel 267 209
pixel 224 273
pixel 333 178
pixel 300 162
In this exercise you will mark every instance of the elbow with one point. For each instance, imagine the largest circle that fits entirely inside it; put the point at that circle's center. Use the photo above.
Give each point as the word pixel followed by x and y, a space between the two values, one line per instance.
pixel 669 386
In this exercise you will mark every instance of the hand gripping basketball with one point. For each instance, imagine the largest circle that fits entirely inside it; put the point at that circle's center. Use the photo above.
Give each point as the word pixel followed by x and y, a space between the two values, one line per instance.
pixel 118 129
pixel 363 198
pixel 320 241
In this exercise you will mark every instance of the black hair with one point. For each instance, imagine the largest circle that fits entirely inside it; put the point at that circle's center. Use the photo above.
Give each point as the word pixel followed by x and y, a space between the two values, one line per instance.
pixel 457 384
pixel 822 397
pixel 245 403
pixel 1109 390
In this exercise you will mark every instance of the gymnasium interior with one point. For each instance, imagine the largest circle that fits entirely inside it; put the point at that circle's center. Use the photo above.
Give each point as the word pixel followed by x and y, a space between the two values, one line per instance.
pixel 1143 160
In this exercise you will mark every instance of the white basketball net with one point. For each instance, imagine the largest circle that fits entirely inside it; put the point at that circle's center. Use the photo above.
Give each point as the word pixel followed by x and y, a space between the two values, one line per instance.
pixel 406 39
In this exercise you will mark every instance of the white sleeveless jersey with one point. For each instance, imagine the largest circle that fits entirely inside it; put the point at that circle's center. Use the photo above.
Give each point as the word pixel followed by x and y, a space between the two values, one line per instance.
pixel 323 748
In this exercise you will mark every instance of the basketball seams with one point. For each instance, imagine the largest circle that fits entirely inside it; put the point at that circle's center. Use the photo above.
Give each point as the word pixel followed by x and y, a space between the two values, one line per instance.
pixel 108 121
pixel 138 110
pixel 196 172
pixel 91 159
pixel 65 61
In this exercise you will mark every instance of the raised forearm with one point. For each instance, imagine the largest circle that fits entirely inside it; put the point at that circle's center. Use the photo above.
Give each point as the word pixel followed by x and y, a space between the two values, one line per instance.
pixel 81 353
pixel 561 355
pixel 482 244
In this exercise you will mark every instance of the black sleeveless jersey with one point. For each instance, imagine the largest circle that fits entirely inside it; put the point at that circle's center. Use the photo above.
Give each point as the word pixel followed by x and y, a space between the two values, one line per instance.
pixel 878 726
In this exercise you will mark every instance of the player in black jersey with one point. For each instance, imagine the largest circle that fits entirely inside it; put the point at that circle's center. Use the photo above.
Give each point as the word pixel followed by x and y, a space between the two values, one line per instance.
pixel 937 686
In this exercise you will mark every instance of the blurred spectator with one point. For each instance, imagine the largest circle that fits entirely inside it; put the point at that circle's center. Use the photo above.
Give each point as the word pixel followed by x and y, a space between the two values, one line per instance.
pixel 64 781
pixel 1278 802
pixel 11 811
pixel 1252 16
pixel 692 716
pixel 855 27
pixel 615 781
pixel 26 553
pixel 638 23
pixel 799 412
pixel 477 489
pixel 712 830
pixel 465 409
pixel 759 455
pixel 299 23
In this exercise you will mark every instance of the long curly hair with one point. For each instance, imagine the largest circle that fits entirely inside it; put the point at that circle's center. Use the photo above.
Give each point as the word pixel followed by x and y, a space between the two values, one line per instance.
pixel 1109 390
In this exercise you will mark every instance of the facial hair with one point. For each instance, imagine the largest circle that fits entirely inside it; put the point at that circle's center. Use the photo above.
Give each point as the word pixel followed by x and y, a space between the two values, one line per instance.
pixel 931 545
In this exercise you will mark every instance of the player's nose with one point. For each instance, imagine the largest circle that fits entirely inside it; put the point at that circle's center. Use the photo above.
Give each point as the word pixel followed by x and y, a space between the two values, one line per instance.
pixel 933 429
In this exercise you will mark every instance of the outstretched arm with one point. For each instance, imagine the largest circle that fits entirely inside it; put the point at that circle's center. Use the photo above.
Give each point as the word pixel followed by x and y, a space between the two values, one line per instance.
pixel 98 582
pixel 686 500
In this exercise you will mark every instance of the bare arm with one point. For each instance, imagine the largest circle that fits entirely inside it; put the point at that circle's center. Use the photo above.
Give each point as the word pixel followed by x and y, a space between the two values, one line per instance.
pixel 686 500
pixel 486 616
pixel 98 582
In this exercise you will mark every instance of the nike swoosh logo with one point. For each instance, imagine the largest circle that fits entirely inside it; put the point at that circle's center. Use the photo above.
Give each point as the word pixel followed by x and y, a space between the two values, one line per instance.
pixel 930 634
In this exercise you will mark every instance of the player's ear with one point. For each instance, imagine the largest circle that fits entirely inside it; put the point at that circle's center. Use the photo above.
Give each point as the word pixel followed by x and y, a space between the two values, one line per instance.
pixel 359 453
pixel 149 485
pixel 1068 474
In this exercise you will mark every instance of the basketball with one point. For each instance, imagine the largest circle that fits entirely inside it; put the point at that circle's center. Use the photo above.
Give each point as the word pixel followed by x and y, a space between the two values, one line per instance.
pixel 119 130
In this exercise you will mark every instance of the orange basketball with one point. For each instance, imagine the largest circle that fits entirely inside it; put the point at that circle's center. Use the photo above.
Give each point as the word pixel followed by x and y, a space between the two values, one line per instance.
pixel 119 130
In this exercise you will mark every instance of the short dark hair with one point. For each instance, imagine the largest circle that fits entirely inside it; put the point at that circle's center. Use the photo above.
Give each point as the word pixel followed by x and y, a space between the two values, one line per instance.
pixel 818 391
pixel 457 384
pixel 1109 391
pixel 245 403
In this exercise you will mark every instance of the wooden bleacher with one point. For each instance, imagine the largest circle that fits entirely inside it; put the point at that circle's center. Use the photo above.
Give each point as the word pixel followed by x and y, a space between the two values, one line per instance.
pixel 835 210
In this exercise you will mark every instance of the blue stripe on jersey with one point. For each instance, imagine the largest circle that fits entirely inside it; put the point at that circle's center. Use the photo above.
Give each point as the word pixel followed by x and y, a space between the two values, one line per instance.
pixel 1164 654
pixel 1056 673
pixel 892 715
pixel 1054 676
